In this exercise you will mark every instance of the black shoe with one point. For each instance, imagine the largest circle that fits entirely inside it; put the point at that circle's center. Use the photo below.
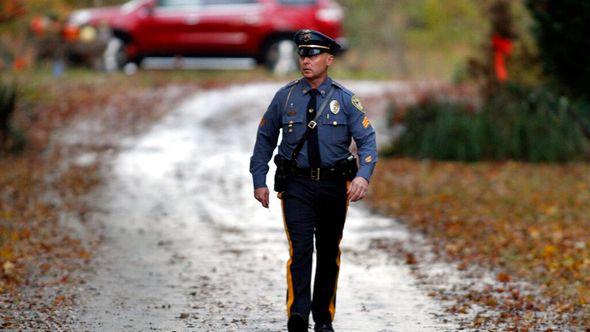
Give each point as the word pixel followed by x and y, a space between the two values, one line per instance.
pixel 297 323
pixel 323 327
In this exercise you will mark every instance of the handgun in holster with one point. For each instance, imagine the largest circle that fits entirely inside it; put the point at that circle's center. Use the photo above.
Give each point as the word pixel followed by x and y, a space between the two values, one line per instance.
pixel 284 169
pixel 348 167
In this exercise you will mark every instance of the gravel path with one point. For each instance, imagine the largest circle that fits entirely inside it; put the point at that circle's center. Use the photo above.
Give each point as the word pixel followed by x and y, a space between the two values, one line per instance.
pixel 186 247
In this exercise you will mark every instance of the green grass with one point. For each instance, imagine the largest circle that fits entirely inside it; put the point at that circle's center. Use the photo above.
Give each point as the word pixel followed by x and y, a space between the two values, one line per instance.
pixel 34 84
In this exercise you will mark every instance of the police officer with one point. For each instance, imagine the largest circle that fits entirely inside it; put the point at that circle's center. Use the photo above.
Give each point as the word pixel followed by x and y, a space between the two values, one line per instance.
pixel 318 187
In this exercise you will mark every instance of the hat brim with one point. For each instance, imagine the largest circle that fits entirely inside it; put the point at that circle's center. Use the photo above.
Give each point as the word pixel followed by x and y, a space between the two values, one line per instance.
pixel 310 51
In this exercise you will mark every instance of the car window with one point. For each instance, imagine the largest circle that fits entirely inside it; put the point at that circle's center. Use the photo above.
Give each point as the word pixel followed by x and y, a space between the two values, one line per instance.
pixel 179 3
pixel 298 2
pixel 131 5
pixel 228 2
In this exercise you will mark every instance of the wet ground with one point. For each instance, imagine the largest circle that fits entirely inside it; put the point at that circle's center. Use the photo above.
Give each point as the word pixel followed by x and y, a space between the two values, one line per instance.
pixel 186 246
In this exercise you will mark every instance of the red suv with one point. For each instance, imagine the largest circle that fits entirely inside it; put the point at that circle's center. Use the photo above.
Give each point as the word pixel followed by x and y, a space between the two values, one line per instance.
pixel 260 29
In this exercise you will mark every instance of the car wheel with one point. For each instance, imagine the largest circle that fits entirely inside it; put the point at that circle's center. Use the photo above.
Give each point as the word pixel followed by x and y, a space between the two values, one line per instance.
pixel 281 57
pixel 114 57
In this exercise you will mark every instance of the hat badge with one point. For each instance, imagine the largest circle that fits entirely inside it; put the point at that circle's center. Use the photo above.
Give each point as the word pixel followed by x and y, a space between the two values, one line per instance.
pixel 306 37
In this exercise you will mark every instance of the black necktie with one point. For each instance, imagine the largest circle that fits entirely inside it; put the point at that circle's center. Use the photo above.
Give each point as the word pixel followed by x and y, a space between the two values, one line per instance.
pixel 313 147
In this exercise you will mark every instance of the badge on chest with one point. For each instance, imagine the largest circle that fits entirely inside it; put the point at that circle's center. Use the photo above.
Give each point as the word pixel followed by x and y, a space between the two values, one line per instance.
pixel 334 106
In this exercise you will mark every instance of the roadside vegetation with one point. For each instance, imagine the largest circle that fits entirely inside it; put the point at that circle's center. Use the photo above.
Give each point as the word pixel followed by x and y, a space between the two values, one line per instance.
pixel 515 123
pixel 500 179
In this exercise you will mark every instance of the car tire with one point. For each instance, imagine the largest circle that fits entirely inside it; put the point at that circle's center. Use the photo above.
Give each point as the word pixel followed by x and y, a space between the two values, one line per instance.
pixel 114 56
pixel 281 57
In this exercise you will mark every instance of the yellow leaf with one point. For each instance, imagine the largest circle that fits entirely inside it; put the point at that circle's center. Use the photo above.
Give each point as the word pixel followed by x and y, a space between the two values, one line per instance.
pixel 534 232
pixel 549 250
pixel 8 268
pixel 552 210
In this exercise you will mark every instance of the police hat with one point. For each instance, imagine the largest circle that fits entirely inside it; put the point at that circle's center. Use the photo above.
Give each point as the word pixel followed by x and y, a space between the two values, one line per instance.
pixel 311 42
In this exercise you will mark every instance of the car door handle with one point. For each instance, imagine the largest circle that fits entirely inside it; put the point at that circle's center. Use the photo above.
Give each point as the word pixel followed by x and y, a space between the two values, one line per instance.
pixel 252 19
pixel 192 20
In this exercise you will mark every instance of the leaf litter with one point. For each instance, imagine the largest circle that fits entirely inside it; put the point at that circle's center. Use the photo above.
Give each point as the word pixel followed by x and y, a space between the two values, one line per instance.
pixel 527 223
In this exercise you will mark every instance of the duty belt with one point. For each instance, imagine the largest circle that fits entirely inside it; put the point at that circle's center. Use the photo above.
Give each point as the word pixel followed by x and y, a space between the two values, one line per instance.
pixel 316 174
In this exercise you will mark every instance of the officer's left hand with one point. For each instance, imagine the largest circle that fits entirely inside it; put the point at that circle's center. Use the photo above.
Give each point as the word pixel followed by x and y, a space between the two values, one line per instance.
pixel 358 189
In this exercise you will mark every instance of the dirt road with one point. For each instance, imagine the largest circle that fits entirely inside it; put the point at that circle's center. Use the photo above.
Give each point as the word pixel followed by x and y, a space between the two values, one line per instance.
pixel 187 247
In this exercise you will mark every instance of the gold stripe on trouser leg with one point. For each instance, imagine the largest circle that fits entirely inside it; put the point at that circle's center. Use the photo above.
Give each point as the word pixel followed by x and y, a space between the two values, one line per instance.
pixel 332 307
pixel 290 296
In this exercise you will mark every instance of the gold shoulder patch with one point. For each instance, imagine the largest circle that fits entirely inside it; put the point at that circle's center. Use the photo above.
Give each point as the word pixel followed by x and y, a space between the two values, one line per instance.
pixel 368 159
pixel 262 122
pixel 357 103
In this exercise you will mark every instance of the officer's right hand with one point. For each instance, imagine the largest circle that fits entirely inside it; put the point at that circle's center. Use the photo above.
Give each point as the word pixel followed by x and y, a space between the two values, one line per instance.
pixel 358 189
pixel 261 194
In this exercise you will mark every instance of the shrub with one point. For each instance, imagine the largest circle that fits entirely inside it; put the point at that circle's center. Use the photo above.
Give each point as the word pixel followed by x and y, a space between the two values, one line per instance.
pixel 516 123
pixel 561 30
pixel 10 139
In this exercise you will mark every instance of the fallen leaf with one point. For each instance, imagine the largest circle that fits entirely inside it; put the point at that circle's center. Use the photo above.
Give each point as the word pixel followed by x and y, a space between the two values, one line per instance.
pixel 503 277
pixel 411 258
pixel 8 267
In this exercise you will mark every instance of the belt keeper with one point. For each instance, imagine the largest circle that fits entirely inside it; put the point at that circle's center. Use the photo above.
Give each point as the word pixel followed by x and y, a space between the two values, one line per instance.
pixel 315 177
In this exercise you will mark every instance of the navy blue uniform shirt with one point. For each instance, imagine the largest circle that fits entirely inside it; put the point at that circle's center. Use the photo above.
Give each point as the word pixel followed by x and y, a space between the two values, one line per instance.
pixel 343 118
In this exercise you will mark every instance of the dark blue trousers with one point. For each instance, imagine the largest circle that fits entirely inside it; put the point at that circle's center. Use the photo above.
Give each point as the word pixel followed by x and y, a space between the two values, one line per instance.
pixel 314 208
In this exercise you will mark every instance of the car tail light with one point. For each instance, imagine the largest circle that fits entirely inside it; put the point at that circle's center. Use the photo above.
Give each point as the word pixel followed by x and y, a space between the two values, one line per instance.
pixel 84 34
pixel 330 14
pixel 71 32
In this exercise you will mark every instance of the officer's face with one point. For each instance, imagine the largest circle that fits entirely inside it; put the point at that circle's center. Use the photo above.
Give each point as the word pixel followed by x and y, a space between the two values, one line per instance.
pixel 315 66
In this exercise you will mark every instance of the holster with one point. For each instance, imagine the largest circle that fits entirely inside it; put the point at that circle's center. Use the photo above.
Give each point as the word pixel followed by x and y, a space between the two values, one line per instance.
pixel 284 170
pixel 348 167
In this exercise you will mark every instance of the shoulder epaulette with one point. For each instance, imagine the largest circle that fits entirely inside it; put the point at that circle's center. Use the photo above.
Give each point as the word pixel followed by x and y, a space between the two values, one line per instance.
pixel 341 87
pixel 290 84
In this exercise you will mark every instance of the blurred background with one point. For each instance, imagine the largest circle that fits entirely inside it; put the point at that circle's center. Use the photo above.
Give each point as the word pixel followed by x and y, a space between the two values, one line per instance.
pixel 393 39
pixel 490 54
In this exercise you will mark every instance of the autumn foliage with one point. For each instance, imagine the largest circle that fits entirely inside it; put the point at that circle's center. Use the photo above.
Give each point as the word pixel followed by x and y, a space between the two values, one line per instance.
pixel 10 9
pixel 529 221
pixel 44 185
